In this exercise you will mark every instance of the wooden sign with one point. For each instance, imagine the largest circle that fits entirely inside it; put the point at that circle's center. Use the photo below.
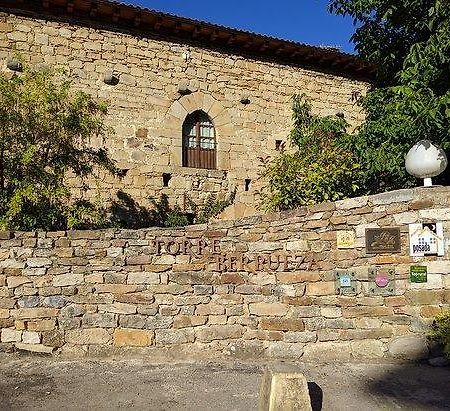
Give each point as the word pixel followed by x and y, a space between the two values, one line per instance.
pixel 383 240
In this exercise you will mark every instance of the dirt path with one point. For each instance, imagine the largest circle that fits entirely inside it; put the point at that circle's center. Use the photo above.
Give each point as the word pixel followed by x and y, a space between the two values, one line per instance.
pixel 30 383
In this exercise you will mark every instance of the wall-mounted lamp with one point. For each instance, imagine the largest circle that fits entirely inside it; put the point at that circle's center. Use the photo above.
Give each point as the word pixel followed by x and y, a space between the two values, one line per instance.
pixel 425 160
pixel 184 89
pixel 110 78
pixel 245 99
pixel 14 64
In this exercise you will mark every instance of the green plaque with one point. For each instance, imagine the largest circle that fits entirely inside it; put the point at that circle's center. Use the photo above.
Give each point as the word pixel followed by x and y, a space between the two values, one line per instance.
pixel 418 274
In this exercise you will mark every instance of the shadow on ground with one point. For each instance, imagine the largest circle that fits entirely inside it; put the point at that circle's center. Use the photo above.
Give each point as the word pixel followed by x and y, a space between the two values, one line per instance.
pixel 412 386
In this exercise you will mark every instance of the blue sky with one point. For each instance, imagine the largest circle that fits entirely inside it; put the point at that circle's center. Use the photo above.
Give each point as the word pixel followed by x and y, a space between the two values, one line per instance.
pixel 305 21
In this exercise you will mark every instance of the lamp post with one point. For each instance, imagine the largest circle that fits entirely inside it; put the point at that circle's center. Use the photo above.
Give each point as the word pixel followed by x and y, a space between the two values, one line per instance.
pixel 425 160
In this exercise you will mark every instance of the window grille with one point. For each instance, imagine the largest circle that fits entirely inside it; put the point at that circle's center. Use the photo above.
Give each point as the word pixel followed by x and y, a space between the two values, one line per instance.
pixel 199 141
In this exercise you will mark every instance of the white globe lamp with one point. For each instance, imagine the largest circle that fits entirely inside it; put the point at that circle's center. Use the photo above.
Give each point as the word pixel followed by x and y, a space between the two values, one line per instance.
pixel 425 160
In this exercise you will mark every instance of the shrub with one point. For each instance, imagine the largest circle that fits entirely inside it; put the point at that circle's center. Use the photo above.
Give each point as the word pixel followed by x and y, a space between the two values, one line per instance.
pixel 441 331
pixel 317 169
pixel 45 130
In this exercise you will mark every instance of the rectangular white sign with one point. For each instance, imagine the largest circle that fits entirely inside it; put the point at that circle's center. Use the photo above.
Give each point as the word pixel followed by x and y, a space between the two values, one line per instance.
pixel 426 239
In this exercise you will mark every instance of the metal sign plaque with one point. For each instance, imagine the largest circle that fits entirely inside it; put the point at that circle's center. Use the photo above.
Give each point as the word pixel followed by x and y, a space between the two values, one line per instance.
pixel 381 281
pixel 418 274
pixel 426 239
pixel 345 283
pixel 383 240
pixel 345 239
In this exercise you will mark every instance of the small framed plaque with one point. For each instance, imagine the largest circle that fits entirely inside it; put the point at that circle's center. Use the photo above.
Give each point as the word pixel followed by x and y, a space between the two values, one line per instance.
pixel 381 281
pixel 345 283
pixel 418 274
pixel 383 240
pixel 345 239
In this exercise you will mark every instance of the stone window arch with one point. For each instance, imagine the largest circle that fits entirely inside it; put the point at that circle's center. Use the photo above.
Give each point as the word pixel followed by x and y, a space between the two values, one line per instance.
pixel 199 141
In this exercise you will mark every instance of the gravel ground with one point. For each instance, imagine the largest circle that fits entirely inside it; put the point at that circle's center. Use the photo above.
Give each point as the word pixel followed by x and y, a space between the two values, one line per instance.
pixel 37 383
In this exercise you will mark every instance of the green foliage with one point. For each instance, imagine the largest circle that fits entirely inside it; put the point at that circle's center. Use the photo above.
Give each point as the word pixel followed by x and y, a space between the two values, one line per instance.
pixel 84 215
pixel 318 169
pixel 176 218
pixel 387 30
pixel 163 215
pixel 44 133
pixel 441 331
pixel 410 43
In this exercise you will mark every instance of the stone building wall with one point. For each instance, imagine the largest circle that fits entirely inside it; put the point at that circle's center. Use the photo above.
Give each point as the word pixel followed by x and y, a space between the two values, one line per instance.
pixel 147 112
pixel 257 287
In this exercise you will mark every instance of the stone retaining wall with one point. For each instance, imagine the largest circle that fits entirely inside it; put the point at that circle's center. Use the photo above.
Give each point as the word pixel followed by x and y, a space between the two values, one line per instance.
pixel 258 287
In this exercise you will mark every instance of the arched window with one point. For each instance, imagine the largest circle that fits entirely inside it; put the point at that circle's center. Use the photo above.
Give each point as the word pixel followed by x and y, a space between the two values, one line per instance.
pixel 199 141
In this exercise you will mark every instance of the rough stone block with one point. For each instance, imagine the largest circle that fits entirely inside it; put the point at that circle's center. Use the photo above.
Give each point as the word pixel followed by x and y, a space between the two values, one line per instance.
pixel 281 324
pixel 41 325
pixel 33 313
pixel 37 348
pixel 102 320
pixel 268 309
pixel 14 282
pixel 38 262
pixel 10 335
pixel 124 337
pixel 218 332
pixel 28 301
pixel 328 351
pixel 64 280
pixel 181 336
pixel 53 338
pixel 56 301
pixel 158 322
pixel 31 337
pixel 321 288
pixel 72 310
pixel 88 336
pixel 116 288
pixel 209 309
pixel 331 312
pixel 4 313
pixel 410 347
pixel 184 321
pixel 367 349
pixel 142 298
pixel 139 260
pixel 143 277
pixel 118 308
pixel 284 391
